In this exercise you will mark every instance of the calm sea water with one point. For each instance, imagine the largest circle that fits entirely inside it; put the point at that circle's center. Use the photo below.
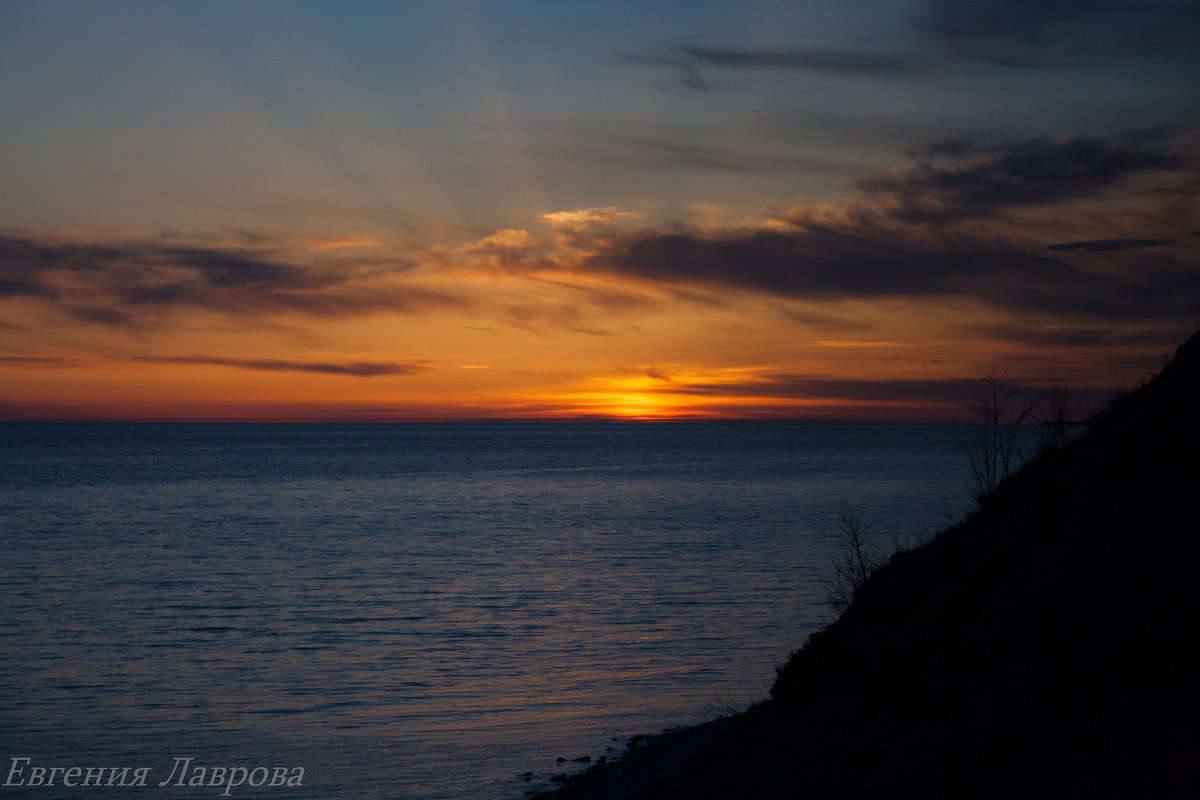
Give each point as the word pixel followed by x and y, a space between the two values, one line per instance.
pixel 414 611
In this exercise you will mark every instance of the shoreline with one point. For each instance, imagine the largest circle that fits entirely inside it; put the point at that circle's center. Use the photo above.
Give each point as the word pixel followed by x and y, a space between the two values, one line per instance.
pixel 1036 649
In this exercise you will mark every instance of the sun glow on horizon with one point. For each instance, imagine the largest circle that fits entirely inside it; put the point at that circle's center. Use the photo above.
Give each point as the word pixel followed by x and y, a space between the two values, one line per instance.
pixel 670 394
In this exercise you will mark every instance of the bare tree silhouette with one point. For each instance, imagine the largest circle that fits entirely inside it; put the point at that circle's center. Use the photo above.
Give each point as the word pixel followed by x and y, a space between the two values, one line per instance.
pixel 851 560
pixel 1059 407
pixel 992 443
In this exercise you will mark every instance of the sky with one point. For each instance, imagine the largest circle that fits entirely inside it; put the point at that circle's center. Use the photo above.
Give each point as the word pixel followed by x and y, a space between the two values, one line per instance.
pixel 590 209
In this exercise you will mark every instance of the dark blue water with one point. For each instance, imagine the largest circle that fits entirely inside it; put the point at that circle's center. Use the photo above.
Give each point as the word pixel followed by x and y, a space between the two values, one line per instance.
pixel 414 611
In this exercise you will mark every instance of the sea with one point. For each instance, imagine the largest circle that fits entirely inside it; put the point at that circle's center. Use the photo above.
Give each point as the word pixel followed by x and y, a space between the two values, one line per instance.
pixel 425 611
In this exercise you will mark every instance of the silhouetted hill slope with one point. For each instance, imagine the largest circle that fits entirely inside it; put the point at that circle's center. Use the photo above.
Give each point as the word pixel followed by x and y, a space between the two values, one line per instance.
pixel 1045 647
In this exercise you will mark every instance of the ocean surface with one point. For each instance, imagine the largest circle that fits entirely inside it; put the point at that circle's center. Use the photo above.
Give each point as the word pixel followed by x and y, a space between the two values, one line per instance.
pixel 413 611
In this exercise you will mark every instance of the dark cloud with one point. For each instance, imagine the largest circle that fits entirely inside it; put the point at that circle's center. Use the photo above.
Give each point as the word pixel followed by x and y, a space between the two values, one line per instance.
pixel 813 387
pixel 950 36
pixel 687 76
pixel 1032 173
pixel 118 284
pixel 1103 338
pixel 656 374
pixel 100 315
pixel 821 320
pixel 949 148
pixel 1109 245
pixel 934 398
pixel 139 285
pixel 222 268
pixel 1059 33
pixel 691 78
pixel 358 369
pixel 832 61
pixel 833 262
pixel 817 261
pixel 22 269
pixel 688 60
pixel 914 233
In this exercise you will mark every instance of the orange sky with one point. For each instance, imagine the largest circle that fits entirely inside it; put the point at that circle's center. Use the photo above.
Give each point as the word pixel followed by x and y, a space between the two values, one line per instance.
pixel 516 324
pixel 275 212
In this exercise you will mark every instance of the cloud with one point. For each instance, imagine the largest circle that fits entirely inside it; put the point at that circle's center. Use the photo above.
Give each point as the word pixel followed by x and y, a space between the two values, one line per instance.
pixel 323 244
pixel 1106 338
pixel 814 261
pixel 815 387
pixel 985 182
pixel 119 284
pixel 688 60
pixel 855 258
pixel 811 60
pixel 142 286
pixel 946 230
pixel 1087 229
pixel 947 37
pixel 822 396
pixel 1109 245
pixel 37 362
pixel 358 369
pixel 1059 33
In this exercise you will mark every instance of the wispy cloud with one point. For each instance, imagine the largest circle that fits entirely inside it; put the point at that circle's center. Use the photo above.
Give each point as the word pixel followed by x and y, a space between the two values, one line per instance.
pixel 120 284
pixel 946 37
pixel 833 61
pixel 1110 245
pixel 690 63
pixel 357 369
pixel 816 387
pixel 1075 336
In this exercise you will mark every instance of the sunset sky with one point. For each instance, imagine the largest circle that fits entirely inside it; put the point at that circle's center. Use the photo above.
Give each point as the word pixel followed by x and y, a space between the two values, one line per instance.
pixel 371 211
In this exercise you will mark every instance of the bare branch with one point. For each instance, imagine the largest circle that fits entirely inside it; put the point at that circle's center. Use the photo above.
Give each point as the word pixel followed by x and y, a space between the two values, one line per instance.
pixel 851 559
pixel 992 445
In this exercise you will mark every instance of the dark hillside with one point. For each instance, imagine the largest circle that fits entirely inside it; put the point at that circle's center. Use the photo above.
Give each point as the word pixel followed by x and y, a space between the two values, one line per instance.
pixel 1045 647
